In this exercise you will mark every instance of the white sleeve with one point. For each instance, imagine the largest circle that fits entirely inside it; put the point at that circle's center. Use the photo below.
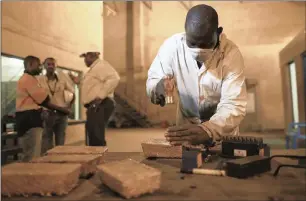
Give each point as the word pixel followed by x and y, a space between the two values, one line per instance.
pixel 232 107
pixel 162 66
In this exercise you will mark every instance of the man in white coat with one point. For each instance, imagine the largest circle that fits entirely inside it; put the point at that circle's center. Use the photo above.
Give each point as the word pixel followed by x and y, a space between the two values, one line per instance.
pixel 208 72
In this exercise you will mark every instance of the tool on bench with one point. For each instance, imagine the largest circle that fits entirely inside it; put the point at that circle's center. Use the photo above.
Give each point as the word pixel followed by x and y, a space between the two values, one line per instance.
pixel 243 146
pixel 252 165
pixel 238 168
pixel 210 172
pixel 192 159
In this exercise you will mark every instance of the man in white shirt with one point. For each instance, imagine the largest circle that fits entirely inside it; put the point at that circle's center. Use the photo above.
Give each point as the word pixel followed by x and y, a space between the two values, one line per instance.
pixel 55 123
pixel 98 86
pixel 208 71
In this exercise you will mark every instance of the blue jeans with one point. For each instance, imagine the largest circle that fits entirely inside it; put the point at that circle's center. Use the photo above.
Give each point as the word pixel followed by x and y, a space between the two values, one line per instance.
pixel 54 124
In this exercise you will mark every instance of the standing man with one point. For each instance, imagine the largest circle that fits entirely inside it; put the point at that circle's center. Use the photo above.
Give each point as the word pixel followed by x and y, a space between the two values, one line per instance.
pixel 30 96
pixel 98 88
pixel 208 70
pixel 55 123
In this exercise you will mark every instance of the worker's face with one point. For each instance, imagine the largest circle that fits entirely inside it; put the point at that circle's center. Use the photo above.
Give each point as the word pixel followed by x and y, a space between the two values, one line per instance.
pixel 50 65
pixel 89 59
pixel 34 68
pixel 201 48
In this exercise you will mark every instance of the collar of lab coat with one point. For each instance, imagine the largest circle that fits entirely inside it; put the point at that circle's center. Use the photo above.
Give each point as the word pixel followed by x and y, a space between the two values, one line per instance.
pixel 94 63
pixel 222 39
pixel 218 54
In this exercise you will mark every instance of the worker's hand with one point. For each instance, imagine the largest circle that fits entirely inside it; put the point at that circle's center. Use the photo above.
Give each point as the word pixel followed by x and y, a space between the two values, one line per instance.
pixel 169 84
pixel 188 134
pixel 96 104
pixel 97 101
pixel 76 80
pixel 158 99
pixel 163 88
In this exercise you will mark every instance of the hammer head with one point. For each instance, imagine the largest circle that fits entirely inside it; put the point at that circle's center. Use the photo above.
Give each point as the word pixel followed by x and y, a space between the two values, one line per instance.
pixel 191 158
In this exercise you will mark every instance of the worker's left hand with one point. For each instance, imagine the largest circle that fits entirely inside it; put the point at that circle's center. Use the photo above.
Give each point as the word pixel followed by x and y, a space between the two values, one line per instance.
pixel 187 134
pixel 96 104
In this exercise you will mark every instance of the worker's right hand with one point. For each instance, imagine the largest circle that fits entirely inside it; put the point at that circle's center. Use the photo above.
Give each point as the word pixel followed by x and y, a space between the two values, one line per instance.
pixel 169 84
pixel 96 104
pixel 75 79
pixel 158 99
pixel 164 87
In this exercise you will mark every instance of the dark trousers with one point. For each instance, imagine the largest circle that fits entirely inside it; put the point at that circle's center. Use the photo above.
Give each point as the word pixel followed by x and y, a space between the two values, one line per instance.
pixel 97 120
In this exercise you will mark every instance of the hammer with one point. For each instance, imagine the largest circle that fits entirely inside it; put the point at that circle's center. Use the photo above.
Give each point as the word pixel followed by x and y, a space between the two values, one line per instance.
pixel 204 172
pixel 245 167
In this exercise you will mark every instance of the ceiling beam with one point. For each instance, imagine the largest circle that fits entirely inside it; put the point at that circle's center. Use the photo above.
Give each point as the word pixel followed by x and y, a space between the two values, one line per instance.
pixel 186 4
pixel 110 8
pixel 148 4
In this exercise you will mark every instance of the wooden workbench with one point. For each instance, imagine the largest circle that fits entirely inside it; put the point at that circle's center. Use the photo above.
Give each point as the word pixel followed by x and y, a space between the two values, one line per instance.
pixel 288 185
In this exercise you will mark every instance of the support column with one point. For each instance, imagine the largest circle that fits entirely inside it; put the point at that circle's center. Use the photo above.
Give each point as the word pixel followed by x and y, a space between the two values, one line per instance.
pixel 129 49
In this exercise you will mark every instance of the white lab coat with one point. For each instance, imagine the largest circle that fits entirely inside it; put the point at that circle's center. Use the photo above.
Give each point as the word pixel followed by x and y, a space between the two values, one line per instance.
pixel 220 82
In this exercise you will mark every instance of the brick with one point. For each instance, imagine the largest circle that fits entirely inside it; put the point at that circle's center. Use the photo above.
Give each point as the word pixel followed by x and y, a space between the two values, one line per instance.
pixel 130 178
pixel 88 162
pixel 77 150
pixel 161 148
pixel 39 178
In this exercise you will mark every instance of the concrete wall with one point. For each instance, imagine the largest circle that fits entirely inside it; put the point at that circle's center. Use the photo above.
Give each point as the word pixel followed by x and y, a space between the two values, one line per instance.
pixel 294 52
pixel 260 29
pixel 60 29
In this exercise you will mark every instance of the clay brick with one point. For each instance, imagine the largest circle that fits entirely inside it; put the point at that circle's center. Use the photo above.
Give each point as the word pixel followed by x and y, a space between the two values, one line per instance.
pixel 130 178
pixel 161 148
pixel 88 162
pixel 77 150
pixel 39 178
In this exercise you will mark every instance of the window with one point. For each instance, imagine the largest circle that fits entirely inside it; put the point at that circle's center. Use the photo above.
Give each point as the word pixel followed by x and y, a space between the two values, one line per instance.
pixel 12 69
pixel 294 92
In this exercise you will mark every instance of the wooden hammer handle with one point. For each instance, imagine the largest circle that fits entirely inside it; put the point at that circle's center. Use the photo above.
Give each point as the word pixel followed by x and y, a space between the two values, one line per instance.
pixel 209 172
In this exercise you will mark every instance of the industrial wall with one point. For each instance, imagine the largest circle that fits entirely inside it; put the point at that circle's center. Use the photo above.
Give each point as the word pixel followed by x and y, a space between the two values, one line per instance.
pixel 61 29
pixel 58 29
pixel 260 29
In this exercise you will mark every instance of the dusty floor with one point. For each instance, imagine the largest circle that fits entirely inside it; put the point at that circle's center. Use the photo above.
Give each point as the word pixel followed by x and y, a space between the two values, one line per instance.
pixel 129 140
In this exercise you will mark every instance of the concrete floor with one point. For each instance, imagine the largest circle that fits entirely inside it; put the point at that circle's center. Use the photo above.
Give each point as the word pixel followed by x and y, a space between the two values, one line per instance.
pixel 129 140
